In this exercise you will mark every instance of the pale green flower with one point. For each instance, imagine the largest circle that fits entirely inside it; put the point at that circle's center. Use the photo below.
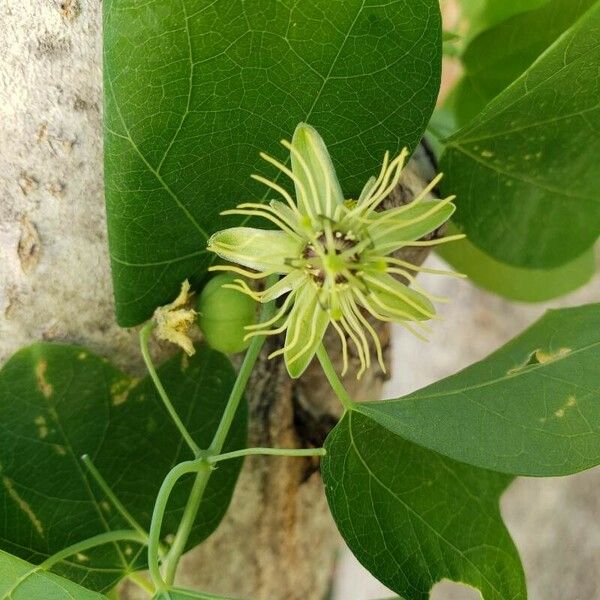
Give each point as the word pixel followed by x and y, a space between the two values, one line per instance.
pixel 332 253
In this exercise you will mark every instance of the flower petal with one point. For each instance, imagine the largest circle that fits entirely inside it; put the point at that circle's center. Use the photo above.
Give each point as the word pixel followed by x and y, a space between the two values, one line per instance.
pixel 308 322
pixel 288 283
pixel 319 192
pixel 395 300
pixel 258 249
pixel 392 229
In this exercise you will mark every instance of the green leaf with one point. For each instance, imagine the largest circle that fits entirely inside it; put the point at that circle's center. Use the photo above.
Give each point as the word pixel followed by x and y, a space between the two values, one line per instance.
pixel 464 102
pixel 20 581
pixel 180 594
pixel 530 408
pixel 525 285
pixel 482 14
pixel 193 91
pixel 60 402
pixel 525 171
pixel 491 64
pixel 413 517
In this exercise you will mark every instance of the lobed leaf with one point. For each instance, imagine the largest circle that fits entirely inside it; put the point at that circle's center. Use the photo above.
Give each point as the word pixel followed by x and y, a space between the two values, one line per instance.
pixel 413 517
pixel 530 408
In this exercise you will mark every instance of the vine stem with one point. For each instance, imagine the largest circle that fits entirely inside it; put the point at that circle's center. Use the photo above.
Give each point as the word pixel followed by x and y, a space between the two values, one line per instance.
pixel 216 446
pixel 145 333
pixel 267 452
pixel 160 506
pixel 237 392
pixel 187 522
pixel 120 535
pixel 334 380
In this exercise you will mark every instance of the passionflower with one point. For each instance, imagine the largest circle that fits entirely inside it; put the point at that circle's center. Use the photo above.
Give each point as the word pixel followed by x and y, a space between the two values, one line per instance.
pixel 333 254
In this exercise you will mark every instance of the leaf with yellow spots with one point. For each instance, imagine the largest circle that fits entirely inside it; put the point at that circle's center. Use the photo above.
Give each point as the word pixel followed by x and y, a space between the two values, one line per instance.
pixel 525 168
pixel 60 402
pixel 531 408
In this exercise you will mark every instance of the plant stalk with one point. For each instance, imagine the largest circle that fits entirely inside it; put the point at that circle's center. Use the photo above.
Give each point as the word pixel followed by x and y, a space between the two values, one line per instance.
pixel 216 446
pixel 334 380
pixel 145 333
pixel 290 452
pixel 160 506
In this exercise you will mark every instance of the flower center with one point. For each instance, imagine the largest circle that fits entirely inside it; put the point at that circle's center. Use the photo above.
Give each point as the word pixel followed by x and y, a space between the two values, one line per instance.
pixel 330 256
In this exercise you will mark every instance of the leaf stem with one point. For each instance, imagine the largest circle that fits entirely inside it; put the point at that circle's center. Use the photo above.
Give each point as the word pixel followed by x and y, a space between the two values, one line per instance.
pixel 216 446
pixel 292 452
pixel 334 380
pixel 144 336
pixel 173 476
pixel 186 524
pixel 119 535
pixel 87 461
pixel 242 380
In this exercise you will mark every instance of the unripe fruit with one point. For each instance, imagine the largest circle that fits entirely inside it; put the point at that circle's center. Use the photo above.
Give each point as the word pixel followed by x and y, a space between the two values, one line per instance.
pixel 223 313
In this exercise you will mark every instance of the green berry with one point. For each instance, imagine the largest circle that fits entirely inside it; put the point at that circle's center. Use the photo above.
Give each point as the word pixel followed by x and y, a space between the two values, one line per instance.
pixel 223 314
